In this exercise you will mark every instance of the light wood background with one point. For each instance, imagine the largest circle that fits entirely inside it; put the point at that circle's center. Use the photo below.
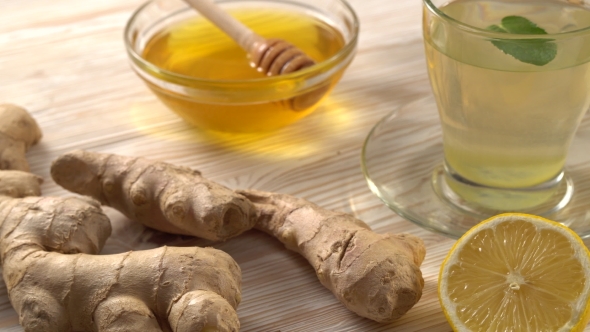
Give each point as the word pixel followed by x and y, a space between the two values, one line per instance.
pixel 64 60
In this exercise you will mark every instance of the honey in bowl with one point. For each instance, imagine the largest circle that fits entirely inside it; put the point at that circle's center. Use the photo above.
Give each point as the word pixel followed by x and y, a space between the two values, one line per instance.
pixel 206 78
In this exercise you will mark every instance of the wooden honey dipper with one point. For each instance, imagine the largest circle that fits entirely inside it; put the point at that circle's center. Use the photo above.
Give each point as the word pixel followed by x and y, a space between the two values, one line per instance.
pixel 270 56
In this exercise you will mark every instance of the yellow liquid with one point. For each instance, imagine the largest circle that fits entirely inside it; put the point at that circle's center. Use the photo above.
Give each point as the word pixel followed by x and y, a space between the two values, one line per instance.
pixel 508 124
pixel 198 49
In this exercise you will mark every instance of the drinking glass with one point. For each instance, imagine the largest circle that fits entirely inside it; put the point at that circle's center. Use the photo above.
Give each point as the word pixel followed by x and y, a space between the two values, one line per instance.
pixel 505 129
pixel 511 79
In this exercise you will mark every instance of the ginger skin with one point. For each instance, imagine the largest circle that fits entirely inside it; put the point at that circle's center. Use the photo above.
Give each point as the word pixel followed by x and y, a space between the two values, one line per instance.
pixel 162 196
pixel 19 184
pixel 374 275
pixel 18 132
pixel 56 282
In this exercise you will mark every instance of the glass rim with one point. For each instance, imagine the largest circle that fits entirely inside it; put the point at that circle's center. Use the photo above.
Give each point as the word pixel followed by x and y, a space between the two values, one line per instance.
pixel 500 35
pixel 316 69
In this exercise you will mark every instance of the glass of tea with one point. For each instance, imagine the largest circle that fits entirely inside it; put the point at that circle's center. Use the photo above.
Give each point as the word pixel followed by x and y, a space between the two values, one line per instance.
pixel 511 80
pixel 511 84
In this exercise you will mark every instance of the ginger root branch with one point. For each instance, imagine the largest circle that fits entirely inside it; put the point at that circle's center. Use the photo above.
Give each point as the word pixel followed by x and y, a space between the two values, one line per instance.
pixel 374 275
pixel 162 196
pixel 19 184
pixel 18 132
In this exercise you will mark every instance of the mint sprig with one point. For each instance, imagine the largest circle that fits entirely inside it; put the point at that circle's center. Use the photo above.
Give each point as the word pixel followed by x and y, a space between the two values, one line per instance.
pixel 538 52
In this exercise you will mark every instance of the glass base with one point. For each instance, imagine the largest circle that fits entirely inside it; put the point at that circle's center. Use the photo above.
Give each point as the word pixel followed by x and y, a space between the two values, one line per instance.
pixel 482 202
pixel 402 163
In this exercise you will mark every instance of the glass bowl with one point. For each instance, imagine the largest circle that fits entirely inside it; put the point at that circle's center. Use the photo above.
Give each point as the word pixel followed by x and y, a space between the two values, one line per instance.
pixel 244 105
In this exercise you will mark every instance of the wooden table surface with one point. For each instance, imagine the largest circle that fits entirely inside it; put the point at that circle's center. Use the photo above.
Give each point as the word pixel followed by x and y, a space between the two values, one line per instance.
pixel 64 60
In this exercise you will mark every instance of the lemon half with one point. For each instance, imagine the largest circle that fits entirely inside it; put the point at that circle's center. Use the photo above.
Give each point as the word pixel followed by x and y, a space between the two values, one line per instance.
pixel 516 272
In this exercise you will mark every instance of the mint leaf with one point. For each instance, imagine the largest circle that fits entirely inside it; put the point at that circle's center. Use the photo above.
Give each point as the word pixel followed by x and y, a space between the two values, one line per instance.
pixel 521 25
pixel 537 52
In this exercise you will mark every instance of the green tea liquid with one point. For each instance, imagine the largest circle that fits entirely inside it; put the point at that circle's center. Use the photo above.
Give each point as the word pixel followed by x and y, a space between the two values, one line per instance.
pixel 506 123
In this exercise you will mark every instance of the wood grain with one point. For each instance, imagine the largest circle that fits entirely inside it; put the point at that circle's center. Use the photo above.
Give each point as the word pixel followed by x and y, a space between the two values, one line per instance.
pixel 64 60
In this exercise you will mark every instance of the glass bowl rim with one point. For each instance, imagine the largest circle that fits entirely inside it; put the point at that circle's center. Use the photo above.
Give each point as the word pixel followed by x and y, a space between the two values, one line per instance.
pixel 310 71
pixel 499 35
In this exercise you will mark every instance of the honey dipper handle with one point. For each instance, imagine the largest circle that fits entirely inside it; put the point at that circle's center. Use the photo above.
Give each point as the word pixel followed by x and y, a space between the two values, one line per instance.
pixel 241 34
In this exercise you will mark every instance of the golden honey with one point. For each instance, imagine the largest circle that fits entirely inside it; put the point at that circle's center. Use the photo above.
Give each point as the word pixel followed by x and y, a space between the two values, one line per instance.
pixel 213 85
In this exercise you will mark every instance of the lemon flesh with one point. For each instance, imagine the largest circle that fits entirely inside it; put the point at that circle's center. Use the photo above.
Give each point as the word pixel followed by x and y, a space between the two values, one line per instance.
pixel 516 272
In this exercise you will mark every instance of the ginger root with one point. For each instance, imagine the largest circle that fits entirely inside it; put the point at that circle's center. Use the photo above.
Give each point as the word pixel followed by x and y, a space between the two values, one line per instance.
pixel 19 184
pixel 374 275
pixel 162 196
pixel 18 132
pixel 56 282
